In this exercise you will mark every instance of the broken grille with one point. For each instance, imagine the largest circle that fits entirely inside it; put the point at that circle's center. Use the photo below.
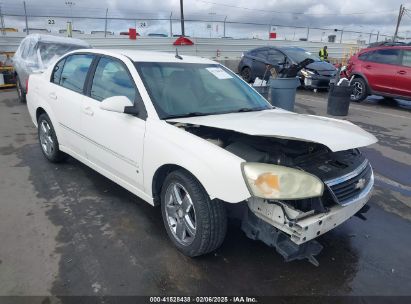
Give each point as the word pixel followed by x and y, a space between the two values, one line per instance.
pixel 347 188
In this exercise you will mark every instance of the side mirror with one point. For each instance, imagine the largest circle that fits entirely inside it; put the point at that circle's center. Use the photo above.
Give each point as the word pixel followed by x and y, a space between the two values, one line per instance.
pixel 116 104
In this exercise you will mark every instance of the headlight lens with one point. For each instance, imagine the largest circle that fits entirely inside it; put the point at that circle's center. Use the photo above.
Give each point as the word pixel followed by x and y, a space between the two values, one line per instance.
pixel 278 182
pixel 307 73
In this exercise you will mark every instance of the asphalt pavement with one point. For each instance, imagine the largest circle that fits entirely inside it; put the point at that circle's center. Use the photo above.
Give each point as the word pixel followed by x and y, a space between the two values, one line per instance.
pixel 67 230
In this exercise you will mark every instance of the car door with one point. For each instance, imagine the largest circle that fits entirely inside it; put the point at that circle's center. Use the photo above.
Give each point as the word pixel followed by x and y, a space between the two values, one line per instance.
pixel 259 62
pixel 403 72
pixel 380 67
pixel 276 58
pixel 65 96
pixel 114 141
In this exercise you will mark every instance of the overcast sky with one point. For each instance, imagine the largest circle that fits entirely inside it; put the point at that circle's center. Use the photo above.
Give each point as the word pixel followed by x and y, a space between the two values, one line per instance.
pixel 365 15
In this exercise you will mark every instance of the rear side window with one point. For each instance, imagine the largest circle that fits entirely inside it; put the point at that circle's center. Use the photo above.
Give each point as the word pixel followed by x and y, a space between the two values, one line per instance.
pixel 406 58
pixel 58 69
pixel 388 56
pixel 112 79
pixel 262 54
pixel 75 71
pixel 364 56
pixel 275 56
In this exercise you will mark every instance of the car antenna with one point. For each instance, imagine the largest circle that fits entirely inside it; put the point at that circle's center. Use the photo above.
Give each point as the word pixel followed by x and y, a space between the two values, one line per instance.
pixel 178 56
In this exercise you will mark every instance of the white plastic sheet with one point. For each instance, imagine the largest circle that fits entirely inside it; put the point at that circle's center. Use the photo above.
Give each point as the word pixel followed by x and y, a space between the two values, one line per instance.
pixel 37 51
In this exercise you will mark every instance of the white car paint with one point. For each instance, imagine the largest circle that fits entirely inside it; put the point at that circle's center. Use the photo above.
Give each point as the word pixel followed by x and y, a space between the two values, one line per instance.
pixel 337 135
pixel 130 150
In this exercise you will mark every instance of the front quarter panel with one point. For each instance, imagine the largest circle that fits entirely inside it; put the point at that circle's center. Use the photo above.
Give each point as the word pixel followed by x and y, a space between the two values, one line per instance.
pixel 217 170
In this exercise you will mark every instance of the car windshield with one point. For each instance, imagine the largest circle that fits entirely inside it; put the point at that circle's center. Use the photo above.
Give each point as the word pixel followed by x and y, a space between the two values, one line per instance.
pixel 299 55
pixel 191 89
pixel 51 51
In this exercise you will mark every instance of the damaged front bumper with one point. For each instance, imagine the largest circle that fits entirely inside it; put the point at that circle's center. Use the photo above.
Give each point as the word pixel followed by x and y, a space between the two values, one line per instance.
pixel 292 231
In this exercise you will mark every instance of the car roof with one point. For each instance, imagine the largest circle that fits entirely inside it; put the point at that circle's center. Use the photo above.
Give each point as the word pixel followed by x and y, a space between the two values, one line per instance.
pixel 386 47
pixel 56 40
pixel 287 48
pixel 149 56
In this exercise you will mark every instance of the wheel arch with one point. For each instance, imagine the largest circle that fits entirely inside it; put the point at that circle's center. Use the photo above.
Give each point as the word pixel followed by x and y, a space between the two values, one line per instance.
pixel 363 77
pixel 159 177
pixel 40 111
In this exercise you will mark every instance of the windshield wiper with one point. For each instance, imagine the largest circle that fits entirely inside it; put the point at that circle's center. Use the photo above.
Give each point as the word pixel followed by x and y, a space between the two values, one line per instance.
pixel 190 114
pixel 251 109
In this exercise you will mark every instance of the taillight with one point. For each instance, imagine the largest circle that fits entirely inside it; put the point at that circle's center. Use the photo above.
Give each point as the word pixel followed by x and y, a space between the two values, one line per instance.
pixel 27 84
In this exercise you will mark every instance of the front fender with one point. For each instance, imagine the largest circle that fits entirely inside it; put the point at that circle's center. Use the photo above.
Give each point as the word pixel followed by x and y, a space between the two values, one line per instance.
pixel 218 170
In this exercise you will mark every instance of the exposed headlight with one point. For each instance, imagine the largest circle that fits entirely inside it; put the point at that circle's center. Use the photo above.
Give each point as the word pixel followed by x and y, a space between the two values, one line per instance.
pixel 279 182
pixel 307 73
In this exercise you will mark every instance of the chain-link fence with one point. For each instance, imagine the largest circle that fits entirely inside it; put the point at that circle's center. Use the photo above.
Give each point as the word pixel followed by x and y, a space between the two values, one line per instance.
pixel 102 22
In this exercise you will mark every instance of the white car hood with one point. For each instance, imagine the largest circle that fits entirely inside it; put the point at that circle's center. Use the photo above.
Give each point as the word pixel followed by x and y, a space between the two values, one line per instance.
pixel 337 135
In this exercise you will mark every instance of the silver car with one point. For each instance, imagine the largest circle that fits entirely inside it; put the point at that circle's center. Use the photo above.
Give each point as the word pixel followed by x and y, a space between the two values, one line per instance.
pixel 36 52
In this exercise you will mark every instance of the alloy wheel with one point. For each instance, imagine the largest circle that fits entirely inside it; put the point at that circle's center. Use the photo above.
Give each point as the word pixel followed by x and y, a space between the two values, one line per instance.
pixel 357 90
pixel 180 213
pixel 46 140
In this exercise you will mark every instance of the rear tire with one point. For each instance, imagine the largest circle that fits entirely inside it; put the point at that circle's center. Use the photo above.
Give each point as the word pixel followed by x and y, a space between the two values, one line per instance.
pixel 360 90
pixel 21 95
pixel 195 224
pixel 246 74
pixel 48 140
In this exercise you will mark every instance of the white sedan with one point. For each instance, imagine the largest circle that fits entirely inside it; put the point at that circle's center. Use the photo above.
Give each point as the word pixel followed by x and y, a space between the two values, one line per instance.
pixel 188 134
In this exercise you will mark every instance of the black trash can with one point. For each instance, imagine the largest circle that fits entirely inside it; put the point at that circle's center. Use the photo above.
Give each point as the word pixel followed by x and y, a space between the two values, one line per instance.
pixel 283 91
pixel 339 100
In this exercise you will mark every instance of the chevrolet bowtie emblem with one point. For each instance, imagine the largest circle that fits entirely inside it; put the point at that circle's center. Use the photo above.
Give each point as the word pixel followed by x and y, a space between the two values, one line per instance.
pixel 360 184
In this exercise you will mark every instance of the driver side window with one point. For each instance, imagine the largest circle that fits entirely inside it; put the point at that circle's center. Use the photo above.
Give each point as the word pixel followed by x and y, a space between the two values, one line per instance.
pixel 112 79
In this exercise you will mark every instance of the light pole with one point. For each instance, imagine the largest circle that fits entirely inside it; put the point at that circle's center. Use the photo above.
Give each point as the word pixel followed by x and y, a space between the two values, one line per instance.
pixel 171 24
pixel 182 18
pixel 225 19
pixel 70 4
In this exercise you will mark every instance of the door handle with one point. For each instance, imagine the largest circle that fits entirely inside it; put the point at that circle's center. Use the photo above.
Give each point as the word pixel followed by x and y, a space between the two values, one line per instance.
pixel 88 111
pixel 367 67
pixel 53 95
pixel 402 72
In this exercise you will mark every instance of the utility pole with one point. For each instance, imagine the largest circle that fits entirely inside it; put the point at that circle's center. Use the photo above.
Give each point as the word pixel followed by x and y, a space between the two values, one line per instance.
pixel 25 15
pixel 105 24
pixel 171 24
pixel 225 19
pixel 182 18
pixel 400 14
pixel 2 22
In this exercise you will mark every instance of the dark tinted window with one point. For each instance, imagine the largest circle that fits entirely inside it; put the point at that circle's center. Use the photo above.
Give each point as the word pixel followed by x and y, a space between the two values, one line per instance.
pixel 364 56
pixel 275 56
pixel 388 56
pixel 58 69
pixel 262 54
pixel 75 72
pixel 406 58
pixel 112 79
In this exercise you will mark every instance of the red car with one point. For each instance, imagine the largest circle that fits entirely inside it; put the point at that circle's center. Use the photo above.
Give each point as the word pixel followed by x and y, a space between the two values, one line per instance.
pixel 382 70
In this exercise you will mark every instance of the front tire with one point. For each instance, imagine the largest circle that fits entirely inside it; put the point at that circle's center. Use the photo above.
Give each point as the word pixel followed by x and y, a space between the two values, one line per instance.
pixel 246 74
pixel 195 224
pixel 360 90
pixel 21 95
pixel 48 140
